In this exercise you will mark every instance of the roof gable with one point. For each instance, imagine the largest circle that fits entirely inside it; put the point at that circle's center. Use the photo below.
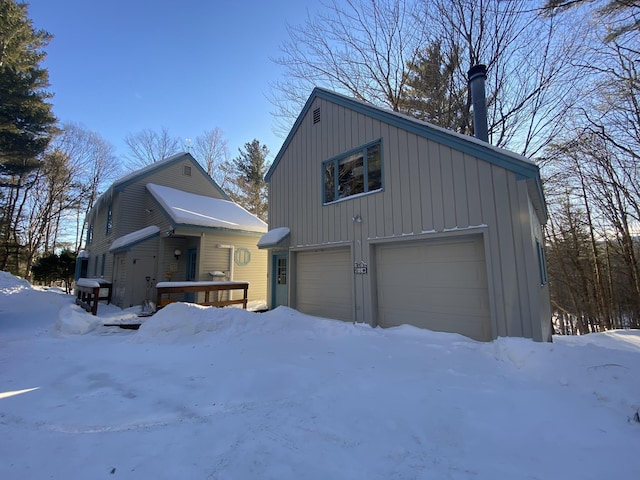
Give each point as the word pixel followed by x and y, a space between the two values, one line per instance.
pixel 149 170
pixel 521 166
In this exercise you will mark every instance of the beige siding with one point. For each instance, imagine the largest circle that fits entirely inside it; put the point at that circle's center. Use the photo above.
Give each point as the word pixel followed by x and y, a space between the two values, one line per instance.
pixel 324 283
pixel 215 258
pixel 119 279
pixel 428 188
pixel 141 262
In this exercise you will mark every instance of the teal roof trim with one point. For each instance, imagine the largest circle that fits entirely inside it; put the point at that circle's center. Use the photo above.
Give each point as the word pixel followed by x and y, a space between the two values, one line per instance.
pixel 518 164
pixel 151 169
pixel 523 168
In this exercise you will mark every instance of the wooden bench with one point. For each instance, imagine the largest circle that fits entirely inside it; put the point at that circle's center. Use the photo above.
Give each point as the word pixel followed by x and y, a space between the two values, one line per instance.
pixel 89 291
pixel 168 288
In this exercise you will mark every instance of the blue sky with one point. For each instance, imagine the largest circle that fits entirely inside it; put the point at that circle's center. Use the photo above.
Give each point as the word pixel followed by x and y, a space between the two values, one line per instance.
pixel 120 66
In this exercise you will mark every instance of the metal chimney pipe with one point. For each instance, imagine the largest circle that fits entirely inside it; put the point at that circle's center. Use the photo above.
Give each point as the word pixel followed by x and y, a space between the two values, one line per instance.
pixel 477 76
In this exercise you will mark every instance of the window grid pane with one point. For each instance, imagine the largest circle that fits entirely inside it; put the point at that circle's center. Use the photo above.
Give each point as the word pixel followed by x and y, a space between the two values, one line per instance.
pixel 356 173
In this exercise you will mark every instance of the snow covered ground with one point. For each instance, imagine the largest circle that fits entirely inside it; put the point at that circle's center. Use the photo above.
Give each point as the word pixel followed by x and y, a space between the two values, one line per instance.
pixel 204 393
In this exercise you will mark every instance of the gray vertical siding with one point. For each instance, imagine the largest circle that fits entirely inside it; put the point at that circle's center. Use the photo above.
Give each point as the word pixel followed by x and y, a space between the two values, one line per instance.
pixel 427 187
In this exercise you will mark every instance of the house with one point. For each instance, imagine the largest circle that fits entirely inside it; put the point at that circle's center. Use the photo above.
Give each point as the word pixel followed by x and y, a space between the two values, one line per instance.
pixel 380 218
pixel 170 221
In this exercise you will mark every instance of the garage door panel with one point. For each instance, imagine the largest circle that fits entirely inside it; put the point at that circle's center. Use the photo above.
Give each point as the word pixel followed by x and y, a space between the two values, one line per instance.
pixel 437 300
pixel 324 283
pixel 440 285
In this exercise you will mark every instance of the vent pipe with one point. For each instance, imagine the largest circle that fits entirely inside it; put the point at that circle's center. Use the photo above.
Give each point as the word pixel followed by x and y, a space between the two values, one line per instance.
pixel 477 76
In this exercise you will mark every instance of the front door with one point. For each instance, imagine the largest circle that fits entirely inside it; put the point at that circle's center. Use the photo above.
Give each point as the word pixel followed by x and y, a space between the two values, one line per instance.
pixel 191 272
pixel 143 276
pixel 280 279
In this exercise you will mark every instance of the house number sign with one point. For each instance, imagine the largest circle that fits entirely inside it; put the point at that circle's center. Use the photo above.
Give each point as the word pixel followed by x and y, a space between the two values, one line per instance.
pixel 360 268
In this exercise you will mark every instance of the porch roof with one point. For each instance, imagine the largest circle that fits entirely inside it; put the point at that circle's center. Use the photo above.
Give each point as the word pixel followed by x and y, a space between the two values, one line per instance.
pixel 190 209
pixel 126 241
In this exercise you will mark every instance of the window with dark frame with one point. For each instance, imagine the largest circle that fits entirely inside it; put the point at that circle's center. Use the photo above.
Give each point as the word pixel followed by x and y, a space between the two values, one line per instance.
pixel 359 171
pixel 109 219
pixel 542 263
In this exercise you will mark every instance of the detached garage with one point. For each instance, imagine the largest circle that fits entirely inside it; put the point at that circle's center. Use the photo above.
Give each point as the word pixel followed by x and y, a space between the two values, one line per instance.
pixel 435 284
pixel 391 221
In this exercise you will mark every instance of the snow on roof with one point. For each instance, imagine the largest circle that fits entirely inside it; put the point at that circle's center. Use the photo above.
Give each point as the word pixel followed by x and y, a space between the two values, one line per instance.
pixel 134 237
pixel 191 209
pixel 273 237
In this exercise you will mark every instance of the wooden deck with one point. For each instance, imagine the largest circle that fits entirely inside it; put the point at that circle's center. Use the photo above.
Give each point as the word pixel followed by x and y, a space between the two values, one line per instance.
pixel 166 289
pixel 89 291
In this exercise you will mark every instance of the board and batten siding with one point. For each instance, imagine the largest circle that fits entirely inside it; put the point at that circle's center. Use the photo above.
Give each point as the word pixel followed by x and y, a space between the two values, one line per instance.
pixel 428 188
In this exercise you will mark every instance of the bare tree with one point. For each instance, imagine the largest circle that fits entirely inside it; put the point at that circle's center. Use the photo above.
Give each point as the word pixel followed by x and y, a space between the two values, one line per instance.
pixel 210 149
pixel 94 166
pixel 61 192
pixel 531 62
pixel 377 50
pixel 358 47
pixel 148 146
pixel 621 16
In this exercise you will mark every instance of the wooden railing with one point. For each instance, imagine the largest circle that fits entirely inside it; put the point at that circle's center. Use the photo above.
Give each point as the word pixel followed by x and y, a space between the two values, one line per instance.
pixel 169 288
pixel 89 291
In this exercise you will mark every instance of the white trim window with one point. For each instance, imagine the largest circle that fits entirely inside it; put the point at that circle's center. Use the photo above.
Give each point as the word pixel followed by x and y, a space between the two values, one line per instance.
pixel 356 172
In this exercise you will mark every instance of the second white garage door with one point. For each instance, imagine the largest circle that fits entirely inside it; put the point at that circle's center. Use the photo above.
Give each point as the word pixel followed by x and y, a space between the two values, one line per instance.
pixel 439 285
pixel 324 283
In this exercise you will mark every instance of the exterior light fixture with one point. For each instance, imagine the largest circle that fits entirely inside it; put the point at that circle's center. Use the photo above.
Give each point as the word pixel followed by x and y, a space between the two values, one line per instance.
pixel 177 253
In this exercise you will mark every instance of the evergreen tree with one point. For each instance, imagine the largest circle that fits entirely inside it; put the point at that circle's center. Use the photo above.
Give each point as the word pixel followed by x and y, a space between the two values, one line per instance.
pixel 433 93
pixel 53 268
pixel 247 177
pixel 26 119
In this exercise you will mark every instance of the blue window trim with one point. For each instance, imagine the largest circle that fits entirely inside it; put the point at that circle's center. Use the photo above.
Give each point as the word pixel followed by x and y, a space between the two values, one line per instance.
pixel 336 160
pixel 90 234
pixel 104 260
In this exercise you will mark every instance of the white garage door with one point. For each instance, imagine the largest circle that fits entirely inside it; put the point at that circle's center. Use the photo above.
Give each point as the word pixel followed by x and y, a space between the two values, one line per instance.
pixel 439 285
pixel 324 283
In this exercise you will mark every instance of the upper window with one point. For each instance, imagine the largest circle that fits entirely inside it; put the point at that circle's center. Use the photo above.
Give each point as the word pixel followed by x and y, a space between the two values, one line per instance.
pixel 542 263
pixel 186 170
pixel 109 219
pixel 90 234
pixel 356 172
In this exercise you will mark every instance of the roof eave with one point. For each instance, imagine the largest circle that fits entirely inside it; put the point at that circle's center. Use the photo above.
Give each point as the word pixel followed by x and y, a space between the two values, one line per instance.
pixel 470 145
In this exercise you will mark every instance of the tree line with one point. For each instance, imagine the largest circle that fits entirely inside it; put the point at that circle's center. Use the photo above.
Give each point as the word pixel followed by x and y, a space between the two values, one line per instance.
pixel 562 90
